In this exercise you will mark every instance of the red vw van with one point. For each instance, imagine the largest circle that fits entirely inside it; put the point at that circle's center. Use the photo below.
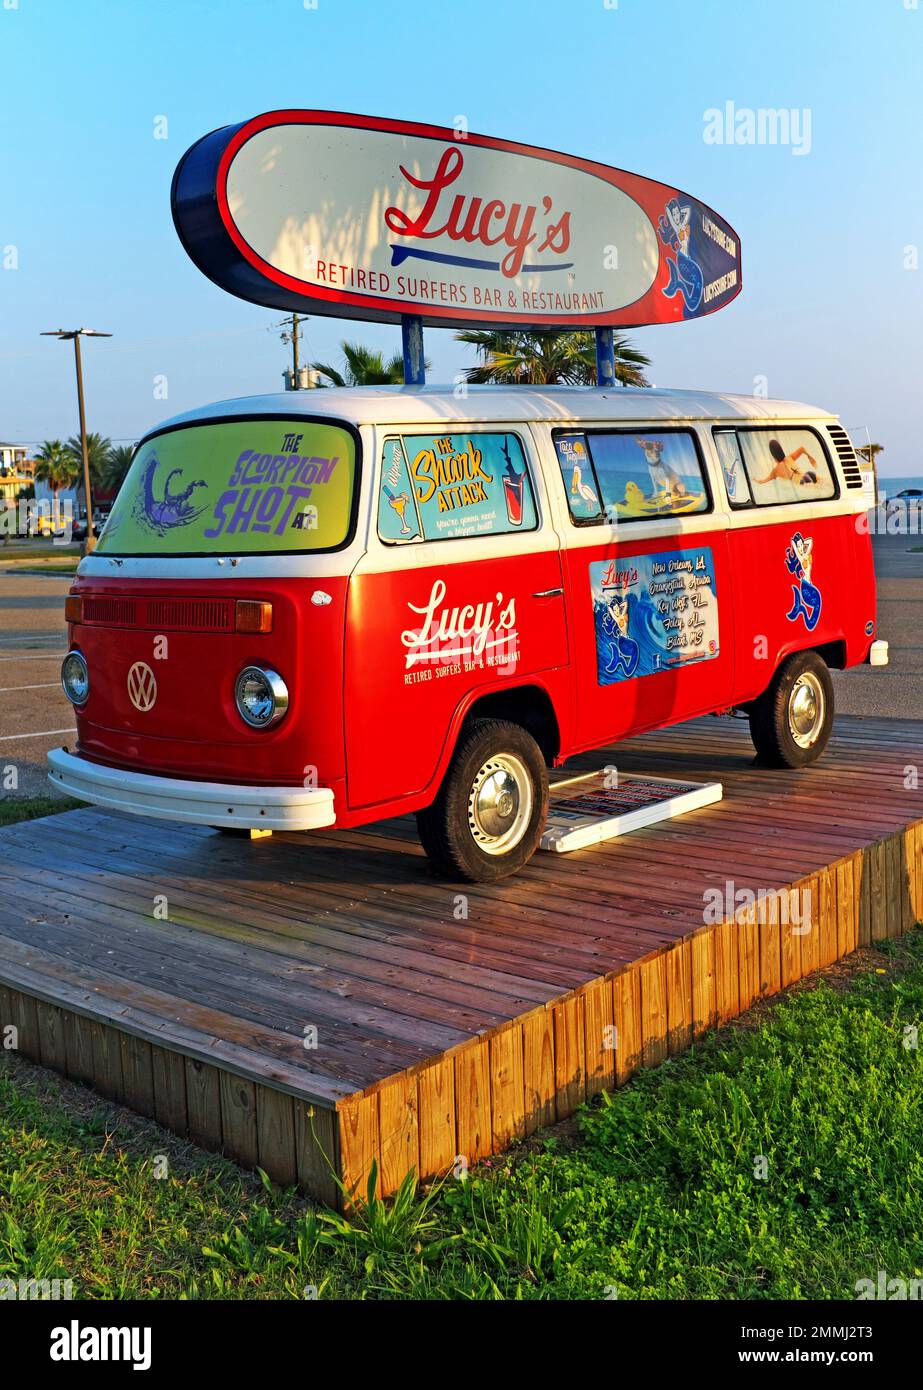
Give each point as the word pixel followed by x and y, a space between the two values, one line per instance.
pixel 324 609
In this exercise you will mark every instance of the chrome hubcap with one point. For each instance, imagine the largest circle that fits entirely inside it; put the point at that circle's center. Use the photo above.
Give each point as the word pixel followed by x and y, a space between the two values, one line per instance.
pixel 500 804
pixel 806 709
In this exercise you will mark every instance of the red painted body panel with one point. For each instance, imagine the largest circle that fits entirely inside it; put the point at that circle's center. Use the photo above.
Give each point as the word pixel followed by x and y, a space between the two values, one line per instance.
pixel 763 594
pixel 193 728
pixel 402 712
pixel 379 728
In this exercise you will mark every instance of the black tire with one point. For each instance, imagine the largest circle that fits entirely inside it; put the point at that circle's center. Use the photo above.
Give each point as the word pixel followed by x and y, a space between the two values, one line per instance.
pixel 790 723
pixel 457 831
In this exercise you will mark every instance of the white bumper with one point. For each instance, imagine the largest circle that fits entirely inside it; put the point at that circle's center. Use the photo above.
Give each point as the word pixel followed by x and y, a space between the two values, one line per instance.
pixel 200 803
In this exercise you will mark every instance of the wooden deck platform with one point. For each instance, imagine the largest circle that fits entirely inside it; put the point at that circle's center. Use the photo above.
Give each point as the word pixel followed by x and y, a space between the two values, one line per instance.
pixel 311 1003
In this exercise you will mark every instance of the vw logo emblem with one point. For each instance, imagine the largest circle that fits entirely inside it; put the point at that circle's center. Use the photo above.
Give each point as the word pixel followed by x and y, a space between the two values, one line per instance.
pixel 142 687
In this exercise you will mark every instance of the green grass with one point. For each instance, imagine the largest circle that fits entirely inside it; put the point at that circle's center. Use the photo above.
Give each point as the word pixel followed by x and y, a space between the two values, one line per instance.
pixel 13 809
pixel 655 1195
pixel 61 567
pixel 23 550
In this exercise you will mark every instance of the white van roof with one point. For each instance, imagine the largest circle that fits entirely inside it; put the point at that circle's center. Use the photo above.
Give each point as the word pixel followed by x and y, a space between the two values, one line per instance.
pixel 411 405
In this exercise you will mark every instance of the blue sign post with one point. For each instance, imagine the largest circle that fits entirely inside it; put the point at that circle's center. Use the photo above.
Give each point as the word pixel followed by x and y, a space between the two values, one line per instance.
pixel 412 344
pixel 605 357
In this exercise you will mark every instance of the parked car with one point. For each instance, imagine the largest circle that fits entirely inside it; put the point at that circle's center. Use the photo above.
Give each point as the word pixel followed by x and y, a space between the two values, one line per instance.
pixel 405 602
pixel 909 500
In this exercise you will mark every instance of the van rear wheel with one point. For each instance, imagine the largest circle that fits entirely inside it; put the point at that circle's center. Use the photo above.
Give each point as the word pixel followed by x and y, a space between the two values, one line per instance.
pixel 790 723
pixel 490 811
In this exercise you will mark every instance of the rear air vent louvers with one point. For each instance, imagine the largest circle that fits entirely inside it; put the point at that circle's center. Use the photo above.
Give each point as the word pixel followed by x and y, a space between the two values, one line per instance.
pixel 847 455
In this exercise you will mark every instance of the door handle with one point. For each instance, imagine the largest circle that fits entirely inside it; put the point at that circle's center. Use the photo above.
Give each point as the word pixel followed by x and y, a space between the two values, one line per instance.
pixel 547 593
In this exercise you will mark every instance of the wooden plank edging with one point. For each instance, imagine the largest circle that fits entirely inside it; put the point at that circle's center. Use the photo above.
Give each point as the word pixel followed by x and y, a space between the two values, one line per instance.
pixel 543 1066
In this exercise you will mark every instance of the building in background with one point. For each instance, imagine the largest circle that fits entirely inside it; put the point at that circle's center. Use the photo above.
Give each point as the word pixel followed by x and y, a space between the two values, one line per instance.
pixel 17 472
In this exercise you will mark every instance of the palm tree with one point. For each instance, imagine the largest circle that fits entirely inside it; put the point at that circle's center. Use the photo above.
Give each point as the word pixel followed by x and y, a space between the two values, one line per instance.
pixel 363 367
pixel 54 466
pixel 116 466
pixel 98 451
pixel 527 358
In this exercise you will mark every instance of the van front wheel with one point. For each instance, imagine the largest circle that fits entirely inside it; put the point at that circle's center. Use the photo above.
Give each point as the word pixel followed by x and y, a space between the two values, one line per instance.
pixel 790 723
pixel 490 811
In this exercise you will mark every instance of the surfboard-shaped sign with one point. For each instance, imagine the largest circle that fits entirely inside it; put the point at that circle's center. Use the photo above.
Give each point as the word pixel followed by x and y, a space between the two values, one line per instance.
pixel 329 213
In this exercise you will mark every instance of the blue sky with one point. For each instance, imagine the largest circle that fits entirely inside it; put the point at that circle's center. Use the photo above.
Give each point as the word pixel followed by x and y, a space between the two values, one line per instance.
pixel 828 314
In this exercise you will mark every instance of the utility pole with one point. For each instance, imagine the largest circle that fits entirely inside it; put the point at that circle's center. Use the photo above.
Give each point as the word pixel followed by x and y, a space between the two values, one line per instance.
pixel 295 349
pixel 75 334
pixel 291 333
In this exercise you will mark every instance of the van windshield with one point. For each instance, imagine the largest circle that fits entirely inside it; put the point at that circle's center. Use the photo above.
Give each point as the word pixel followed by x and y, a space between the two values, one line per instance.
pixel 241 486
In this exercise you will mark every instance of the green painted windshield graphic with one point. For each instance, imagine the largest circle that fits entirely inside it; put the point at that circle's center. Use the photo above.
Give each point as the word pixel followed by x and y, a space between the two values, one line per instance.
pixel 242 486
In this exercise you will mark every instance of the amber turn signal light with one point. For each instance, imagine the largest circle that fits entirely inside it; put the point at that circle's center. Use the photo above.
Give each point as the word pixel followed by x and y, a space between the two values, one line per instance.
pixel 73 608
pixel 253 616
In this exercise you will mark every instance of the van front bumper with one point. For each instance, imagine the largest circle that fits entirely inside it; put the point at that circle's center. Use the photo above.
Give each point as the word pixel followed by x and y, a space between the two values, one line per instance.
pixel 198 803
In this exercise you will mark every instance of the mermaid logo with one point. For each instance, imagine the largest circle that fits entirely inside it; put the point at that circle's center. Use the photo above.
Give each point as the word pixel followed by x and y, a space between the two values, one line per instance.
pixel 799 561
pixel 169 510
pixel 686 276
pixel 620 652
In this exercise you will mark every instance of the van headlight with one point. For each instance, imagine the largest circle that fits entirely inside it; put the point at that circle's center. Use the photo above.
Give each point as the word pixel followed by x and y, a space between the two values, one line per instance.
pixel 261 696
pixel 75 678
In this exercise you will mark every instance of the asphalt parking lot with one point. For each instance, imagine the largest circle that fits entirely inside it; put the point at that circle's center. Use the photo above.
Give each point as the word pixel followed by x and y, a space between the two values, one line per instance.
pixel 36 716
pixel 34 713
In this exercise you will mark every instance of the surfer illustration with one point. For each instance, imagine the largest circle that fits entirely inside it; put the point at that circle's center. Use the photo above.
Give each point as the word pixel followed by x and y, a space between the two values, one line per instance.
pixel 799 561
pixel 798 467
pixel 685 274
pixel 620 653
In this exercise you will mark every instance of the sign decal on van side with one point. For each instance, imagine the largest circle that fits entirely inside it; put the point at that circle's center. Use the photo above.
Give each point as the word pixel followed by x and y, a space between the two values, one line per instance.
pixel 653 612
pixel 448 639
pixel 442 487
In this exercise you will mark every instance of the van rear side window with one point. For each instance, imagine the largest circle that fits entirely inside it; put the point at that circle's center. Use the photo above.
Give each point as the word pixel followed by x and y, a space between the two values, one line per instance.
pixel 241 486
pixel 450 486
pixel 771 468
pixel 623 475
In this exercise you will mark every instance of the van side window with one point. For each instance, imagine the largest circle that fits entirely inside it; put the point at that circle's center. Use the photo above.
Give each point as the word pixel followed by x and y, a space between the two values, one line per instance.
pixel 732 468
pixel 621 475
pixel 774 467
pixel 443 487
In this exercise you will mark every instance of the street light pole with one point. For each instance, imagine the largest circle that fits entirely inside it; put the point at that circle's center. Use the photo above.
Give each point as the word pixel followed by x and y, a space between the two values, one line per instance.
pixel 90 542
pixel 63 334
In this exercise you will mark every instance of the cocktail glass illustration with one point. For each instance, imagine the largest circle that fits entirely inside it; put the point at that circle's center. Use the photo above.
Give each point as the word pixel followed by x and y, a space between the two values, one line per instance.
pixel 512 491
pixel 399 502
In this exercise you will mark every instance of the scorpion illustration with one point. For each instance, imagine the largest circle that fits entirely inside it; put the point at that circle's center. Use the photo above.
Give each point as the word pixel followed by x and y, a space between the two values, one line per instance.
pixel 173 508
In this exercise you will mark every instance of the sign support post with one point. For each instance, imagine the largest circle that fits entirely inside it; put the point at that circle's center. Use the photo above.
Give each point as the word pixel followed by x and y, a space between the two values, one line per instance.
pixel 605 357
pixel 412 344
